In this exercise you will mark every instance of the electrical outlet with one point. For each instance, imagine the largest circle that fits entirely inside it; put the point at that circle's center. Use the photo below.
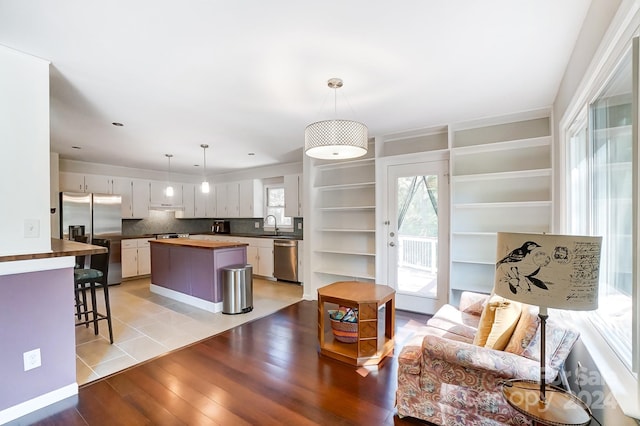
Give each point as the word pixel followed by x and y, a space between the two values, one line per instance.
pixel 32 359
pixel 299 225
pixel 31 228
pixel 256 225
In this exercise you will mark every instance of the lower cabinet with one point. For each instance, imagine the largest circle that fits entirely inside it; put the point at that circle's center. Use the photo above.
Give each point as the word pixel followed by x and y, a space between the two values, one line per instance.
pixel 136 257
pixel 260 256
pixel 259 252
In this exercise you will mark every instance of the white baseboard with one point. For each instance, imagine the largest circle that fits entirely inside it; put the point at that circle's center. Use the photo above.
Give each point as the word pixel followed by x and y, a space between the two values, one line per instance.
pixel 37 403
pixel 185 298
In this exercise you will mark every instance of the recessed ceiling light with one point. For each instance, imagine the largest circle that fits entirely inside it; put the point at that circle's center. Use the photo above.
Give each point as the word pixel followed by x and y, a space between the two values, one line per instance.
pixel 252 153
pixel 76 147
pixel 115 123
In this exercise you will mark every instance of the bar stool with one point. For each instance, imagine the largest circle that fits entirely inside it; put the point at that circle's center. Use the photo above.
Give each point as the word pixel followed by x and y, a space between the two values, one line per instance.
pixel 90 279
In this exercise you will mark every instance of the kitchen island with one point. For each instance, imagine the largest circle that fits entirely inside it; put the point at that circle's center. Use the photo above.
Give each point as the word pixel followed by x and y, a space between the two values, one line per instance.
pixel 190 271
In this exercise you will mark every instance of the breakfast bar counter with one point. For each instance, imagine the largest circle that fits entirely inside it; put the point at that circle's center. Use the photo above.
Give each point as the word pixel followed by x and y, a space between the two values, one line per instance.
pixel 190 271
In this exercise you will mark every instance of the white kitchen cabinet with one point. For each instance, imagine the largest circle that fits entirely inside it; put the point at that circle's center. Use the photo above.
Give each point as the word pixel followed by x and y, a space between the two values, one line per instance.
pixel 233 199
pixel 136 257
pixel 71 182
pixel 200 201
pixel 293 195
pixel 260 256
pixel 251 198
pixel 79 182
pixel 221 200
pixel 210 202
pixel 227 200
pixel 188 201
pixel 124 188
pixel 158 196
pixel 140 198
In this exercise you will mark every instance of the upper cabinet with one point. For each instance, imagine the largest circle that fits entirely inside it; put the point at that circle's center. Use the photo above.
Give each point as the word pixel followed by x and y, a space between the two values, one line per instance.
pixel 251 198
pixel 140 198
pixel 501 181
pixel 293 195
pixel 78 182
pixel 159 196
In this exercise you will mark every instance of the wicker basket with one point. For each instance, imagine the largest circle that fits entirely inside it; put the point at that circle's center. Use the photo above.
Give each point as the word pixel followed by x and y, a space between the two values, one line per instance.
pixel 344 331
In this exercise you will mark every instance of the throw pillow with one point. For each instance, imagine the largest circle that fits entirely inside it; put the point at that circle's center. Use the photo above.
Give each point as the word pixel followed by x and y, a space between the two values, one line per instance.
pixel 486 322
pixel 497 322
pixel 525 331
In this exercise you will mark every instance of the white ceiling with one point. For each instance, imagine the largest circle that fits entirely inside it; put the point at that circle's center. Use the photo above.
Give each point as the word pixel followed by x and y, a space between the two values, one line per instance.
pixel 249 75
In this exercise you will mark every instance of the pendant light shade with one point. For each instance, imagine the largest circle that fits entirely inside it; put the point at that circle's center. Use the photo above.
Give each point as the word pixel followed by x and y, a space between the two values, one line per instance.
pixel 168 191
pixel 204 187
pixel 336 139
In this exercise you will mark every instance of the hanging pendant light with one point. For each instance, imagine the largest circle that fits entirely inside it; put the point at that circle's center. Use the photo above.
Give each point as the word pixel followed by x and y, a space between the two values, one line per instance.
pixel 168 191
pixel 205 184
pixel 336 139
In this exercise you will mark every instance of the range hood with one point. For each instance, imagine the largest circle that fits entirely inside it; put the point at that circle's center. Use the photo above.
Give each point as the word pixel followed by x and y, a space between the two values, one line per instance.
pixel 165 207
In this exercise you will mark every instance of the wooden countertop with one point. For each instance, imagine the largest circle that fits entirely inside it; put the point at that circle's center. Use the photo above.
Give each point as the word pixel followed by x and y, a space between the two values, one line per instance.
pixel 59 248
pixel 357 291
pixel 204 244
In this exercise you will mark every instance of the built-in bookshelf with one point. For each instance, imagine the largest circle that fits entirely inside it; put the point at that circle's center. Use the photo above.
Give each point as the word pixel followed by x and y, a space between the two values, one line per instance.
pixel 344 231
pixel 501 180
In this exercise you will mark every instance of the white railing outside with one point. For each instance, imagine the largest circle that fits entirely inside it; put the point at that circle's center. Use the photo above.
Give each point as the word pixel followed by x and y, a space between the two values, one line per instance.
pixel 418 252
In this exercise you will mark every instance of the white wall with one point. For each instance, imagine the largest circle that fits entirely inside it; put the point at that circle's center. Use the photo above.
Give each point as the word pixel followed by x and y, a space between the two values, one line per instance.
pixel 24 142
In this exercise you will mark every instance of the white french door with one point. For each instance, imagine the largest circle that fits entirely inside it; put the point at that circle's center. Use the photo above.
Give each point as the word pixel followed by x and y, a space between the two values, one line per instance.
pixel 417 234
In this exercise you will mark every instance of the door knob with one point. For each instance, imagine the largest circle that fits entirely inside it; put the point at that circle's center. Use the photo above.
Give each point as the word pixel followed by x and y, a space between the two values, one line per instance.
pixel 392 244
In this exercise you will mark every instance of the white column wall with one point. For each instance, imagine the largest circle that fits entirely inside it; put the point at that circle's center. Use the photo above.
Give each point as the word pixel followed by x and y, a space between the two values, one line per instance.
pixel 24 153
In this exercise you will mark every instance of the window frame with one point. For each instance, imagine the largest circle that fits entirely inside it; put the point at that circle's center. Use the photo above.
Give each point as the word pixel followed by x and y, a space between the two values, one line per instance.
pixel 281 226
pixel 621 380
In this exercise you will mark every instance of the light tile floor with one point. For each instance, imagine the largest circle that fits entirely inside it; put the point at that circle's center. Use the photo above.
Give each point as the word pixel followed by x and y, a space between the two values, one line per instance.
pixel 146 325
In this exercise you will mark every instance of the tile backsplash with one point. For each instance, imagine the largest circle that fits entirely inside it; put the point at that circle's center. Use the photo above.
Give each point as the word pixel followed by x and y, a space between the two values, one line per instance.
pixel 162 222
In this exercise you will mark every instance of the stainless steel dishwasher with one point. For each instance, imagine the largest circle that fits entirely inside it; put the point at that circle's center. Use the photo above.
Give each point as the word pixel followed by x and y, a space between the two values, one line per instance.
pixel 285 260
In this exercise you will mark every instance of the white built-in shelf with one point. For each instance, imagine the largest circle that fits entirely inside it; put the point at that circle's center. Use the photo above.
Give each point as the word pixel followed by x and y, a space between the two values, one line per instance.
pixel 502 175
pixel 503 146
pixel 470 233
pixel 344 163
pixel 355 253
pixel 349 274
pixel 346 230
pixel 479 262
pixel 347 208
pixel 345 186
pixel 503 205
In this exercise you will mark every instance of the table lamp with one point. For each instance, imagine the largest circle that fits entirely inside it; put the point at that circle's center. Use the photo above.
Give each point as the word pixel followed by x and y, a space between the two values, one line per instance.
pixel 548 271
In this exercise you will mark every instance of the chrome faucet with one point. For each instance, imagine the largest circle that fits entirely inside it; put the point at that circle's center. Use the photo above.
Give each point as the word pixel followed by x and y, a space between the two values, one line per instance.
pixel 275 222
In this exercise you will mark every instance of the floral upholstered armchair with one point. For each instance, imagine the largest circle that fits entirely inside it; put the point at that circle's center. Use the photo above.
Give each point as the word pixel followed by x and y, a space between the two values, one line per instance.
pixel 446 379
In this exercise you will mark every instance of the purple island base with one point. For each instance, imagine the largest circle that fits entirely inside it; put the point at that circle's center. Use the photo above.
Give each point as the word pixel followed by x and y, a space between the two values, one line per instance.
pixel 190 271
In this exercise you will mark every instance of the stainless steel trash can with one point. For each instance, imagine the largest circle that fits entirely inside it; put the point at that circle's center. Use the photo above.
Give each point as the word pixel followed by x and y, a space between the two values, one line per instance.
pixel 237 289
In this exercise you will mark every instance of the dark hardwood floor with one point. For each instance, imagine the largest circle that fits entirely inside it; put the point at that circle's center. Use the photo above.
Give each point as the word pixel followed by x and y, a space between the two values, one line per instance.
pixel 266 372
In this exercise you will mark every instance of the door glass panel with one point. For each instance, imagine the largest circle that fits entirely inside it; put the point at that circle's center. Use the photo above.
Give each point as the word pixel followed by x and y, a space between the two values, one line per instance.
pixel 417 225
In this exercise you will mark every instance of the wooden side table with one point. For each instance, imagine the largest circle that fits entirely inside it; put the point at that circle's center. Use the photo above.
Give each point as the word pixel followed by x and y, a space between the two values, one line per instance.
pixel 561 409
pixel 372 344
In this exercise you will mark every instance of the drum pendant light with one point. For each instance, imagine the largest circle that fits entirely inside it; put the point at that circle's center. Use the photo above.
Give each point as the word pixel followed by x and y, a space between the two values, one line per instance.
pixel 336 139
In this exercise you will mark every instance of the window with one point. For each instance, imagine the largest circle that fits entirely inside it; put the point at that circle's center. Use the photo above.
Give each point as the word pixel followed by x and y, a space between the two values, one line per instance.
pixel 274 207
pixel 600 200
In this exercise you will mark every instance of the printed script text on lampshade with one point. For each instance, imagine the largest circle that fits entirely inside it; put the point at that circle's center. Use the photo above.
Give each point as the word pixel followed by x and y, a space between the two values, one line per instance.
pixel 551 271
pixel 336 139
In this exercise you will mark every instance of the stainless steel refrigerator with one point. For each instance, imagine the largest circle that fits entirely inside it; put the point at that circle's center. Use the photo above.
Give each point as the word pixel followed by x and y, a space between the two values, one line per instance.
pixel 96 216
